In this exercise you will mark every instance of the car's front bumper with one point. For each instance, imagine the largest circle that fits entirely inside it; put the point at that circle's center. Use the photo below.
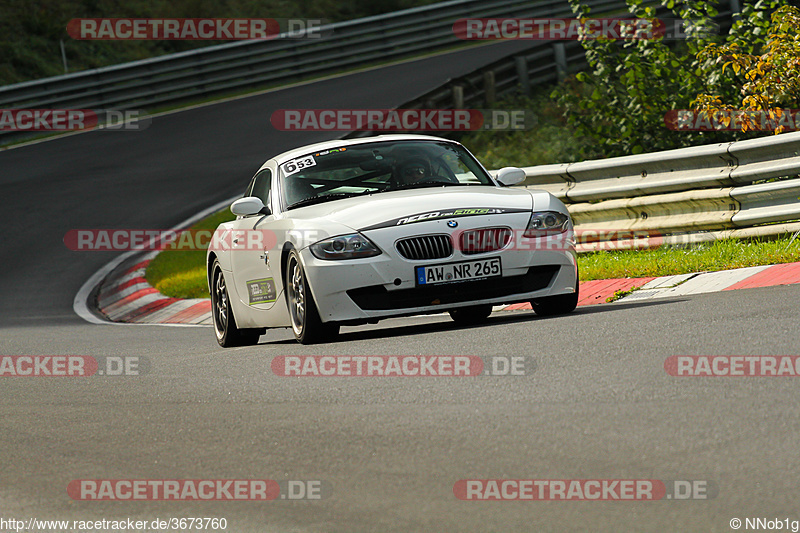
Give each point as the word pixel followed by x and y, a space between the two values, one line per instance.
pixel 385 285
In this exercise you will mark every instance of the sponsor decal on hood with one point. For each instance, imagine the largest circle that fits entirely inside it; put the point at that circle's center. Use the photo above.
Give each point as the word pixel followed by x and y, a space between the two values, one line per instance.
pixel 451 213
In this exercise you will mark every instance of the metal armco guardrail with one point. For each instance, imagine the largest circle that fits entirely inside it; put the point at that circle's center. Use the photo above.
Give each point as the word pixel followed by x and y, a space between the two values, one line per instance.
pixel 719 165
pixel 700 209
pixel 767 203
pixel 704 188
pixel 233 66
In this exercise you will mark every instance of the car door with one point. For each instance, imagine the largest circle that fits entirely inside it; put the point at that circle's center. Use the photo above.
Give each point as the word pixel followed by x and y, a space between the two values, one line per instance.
pixel 254 259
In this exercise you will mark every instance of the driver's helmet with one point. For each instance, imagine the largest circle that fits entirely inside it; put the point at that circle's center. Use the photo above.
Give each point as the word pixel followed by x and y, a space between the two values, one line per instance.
pixel 414 168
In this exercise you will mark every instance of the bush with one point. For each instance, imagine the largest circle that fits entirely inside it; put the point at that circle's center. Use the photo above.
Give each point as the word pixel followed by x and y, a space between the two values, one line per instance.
pixel 622 101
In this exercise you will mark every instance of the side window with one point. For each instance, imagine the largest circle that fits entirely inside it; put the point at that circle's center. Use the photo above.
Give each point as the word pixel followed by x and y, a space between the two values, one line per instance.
pixel 261 186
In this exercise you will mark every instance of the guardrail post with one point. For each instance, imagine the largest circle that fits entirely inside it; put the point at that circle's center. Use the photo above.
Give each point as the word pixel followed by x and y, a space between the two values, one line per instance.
pixel 522 74
pixel 736 8
pixel 560 53
pixel 458 97
pixel 489 87
pixel 63 55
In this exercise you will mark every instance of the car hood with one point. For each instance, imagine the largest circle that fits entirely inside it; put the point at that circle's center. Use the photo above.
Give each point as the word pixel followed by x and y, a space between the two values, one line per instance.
pixel 399 207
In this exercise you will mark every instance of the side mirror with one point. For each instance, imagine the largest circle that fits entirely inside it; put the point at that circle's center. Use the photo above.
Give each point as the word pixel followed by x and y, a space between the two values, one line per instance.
pixel 249 205
pixel 508 176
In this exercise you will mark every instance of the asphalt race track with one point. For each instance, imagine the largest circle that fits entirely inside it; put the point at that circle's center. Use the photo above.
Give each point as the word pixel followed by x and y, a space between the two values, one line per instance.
pixel 598 403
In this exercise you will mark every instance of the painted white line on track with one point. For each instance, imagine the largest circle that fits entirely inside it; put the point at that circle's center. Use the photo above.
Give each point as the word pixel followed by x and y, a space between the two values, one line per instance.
pixel 666 282
pixel 80 304
pixel 712 281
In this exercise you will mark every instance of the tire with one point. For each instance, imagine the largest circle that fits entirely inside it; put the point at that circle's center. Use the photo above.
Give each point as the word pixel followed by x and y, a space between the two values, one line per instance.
pixel 228 335
pixel 307 325
pixel 556 305
pixel 471 315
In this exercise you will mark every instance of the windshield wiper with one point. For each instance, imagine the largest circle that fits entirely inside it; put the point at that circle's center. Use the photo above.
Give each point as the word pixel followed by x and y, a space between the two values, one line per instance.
pixel 325 197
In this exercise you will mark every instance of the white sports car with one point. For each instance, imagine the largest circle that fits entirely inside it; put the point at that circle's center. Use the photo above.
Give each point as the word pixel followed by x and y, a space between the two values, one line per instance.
pixel 351 232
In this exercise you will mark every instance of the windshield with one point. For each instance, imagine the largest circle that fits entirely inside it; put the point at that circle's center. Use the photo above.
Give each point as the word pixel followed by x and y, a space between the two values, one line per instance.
pixel 375 168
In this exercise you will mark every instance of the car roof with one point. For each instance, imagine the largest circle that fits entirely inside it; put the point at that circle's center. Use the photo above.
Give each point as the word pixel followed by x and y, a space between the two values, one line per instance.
pixel 338 143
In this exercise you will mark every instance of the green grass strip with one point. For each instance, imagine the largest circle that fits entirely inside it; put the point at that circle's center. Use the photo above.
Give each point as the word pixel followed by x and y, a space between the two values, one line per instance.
pixel 666 261
pixel 182 273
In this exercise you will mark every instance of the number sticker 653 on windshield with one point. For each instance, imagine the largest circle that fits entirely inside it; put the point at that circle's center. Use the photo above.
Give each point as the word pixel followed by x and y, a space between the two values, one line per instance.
pixel 296 165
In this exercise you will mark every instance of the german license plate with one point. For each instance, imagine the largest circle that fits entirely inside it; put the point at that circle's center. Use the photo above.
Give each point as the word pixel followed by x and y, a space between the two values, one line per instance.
pixel 463 271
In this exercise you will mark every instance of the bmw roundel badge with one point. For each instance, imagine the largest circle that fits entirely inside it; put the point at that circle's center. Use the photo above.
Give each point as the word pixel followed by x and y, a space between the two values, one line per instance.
pixel 452 224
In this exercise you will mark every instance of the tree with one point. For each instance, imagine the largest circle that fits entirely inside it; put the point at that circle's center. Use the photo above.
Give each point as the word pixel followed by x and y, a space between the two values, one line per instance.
pixel 632 84
pixel 750 83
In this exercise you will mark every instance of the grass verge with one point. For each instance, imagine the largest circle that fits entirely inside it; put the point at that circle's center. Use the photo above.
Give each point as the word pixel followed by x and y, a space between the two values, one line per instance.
pixel 666 261
pixel 182 273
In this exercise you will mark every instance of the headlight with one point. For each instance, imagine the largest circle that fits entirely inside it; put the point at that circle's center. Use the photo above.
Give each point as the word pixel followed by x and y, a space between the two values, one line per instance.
pixel 546 223
pixel 353 246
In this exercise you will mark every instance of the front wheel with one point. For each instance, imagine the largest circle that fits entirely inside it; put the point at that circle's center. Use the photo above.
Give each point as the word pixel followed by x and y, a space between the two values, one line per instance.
pixel 227 333
pixel 306 323
pixel 556 305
